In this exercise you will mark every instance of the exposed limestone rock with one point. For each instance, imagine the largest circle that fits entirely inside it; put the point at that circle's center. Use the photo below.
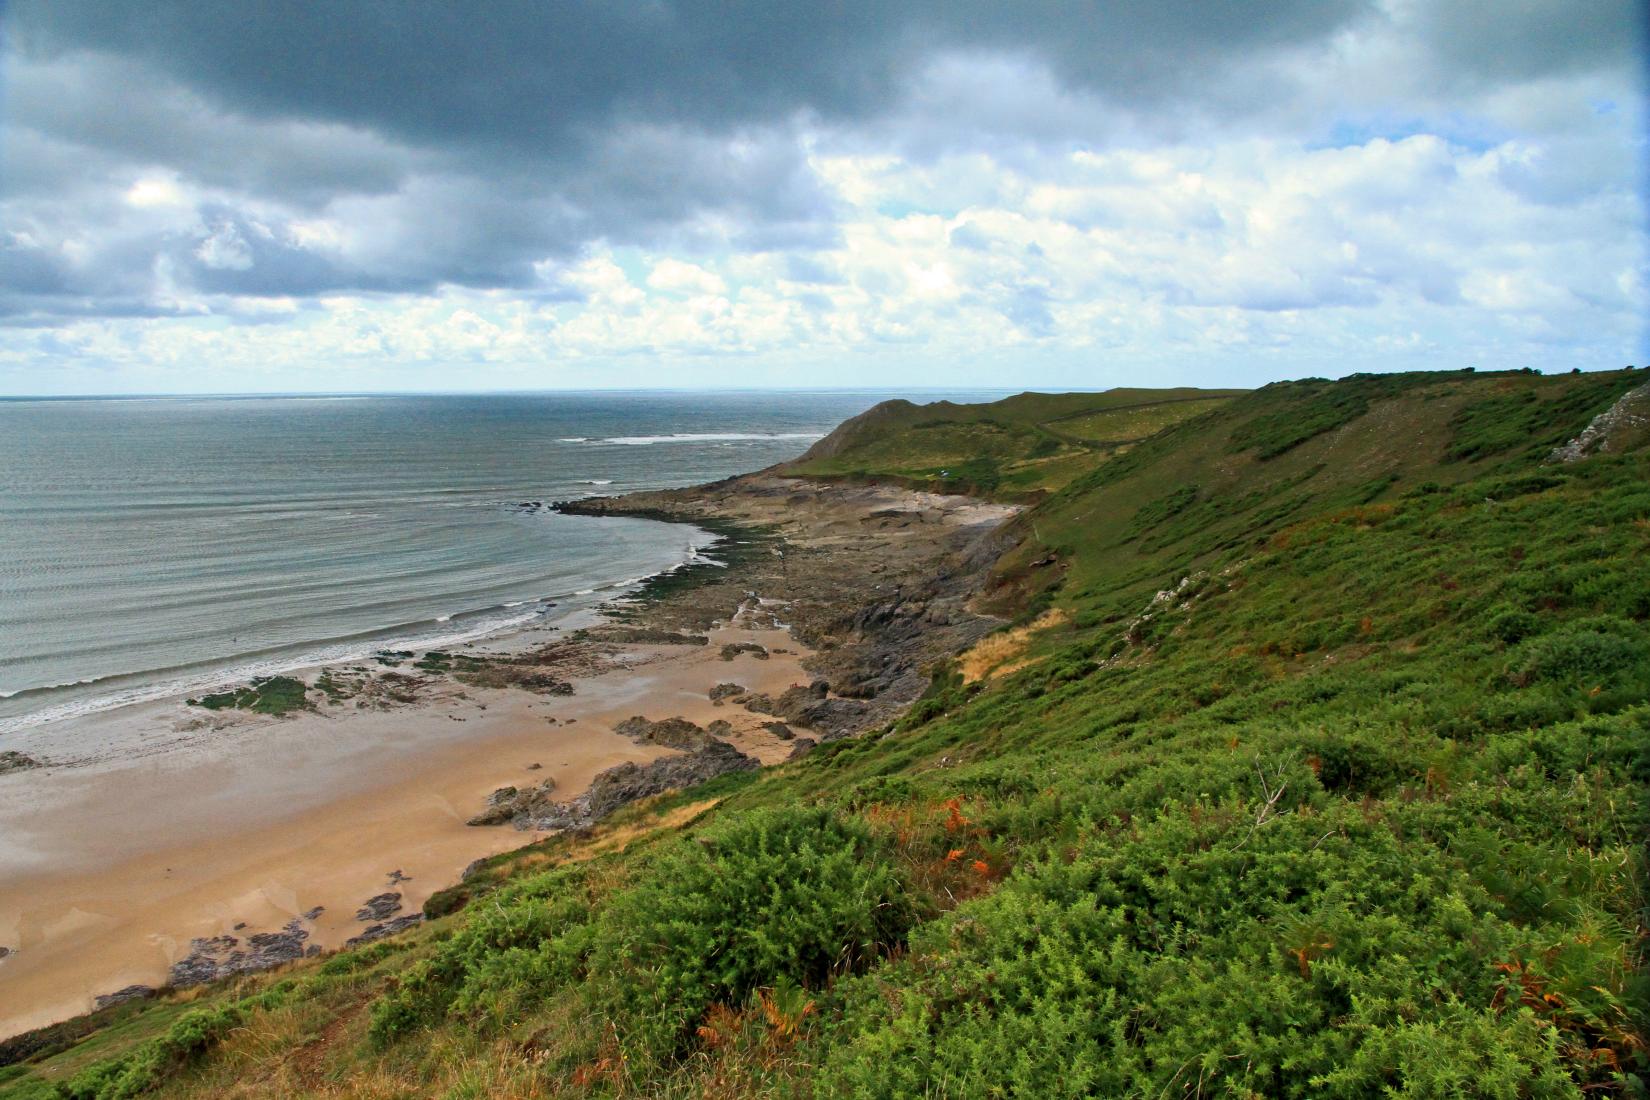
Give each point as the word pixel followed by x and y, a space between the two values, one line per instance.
pixel 1622 427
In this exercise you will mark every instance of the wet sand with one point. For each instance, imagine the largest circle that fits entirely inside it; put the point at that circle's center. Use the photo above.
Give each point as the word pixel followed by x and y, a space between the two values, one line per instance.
pixel 109 869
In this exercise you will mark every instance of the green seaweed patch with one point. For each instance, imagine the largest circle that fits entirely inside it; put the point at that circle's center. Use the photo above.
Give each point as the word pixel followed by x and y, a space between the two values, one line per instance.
pixel 273 695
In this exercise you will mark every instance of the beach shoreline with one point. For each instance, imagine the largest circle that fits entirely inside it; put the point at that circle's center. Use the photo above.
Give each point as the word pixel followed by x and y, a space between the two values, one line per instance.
pixel 238 825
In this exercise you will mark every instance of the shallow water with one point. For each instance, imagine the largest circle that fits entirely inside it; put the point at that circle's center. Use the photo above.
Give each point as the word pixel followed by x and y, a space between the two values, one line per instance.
pixel 155 545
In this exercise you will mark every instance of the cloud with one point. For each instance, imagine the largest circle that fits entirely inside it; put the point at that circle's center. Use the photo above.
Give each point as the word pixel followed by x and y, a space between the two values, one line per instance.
pixel 779 177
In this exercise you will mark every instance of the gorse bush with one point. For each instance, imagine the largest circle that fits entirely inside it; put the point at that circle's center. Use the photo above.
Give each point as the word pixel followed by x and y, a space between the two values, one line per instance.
pixel 800 894
pixel 797 895
pixel 1595 649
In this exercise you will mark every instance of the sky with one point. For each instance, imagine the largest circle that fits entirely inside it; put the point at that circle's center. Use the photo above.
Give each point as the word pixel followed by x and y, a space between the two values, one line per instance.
pixel 207 197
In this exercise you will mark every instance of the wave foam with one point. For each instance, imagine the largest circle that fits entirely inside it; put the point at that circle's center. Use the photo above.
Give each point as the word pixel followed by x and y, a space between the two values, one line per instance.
pixel 701 437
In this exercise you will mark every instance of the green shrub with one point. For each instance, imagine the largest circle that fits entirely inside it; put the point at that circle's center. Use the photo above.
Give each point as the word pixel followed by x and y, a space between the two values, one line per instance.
pixel 798 894
pixel 148 1065
pixel 1592 650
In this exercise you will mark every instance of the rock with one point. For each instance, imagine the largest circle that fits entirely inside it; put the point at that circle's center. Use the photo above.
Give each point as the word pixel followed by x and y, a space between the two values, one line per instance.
pixel 536 767
pixel 627 783
pixel 670 733
pixel 1622 427
pixel 725 691
pixel 509 803
pixel 216 957
pixel 641 635
pixel 721 728
pixel 15 762
pixel 779 730
pixel 812 707
pixel 388 928
pixel 501 806
pixel 121 996
pixel 380 907
pixel 802 747
pixel 734 649
pixel 311 914
pixel 396 877
pixel 6 951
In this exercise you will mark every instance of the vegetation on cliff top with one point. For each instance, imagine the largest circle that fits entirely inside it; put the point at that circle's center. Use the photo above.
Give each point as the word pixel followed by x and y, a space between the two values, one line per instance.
pixel 1321 772
pixel 1020 447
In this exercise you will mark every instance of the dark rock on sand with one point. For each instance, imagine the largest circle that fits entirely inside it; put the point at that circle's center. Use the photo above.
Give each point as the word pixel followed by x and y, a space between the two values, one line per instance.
pixel 388 928
pixel 508 803
pixel 381 907
pixel 670 733
pixel 812 707
pixel 726 691
pixel 642 635
pixel 215 957
pixel 779 730
pixel 734 649
pixel 15 762
pixel 121 996
pixel 627 783
pixel 802 747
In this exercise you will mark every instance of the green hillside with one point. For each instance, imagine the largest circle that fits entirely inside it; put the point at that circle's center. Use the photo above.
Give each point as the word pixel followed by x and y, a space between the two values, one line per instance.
pixel 1020 447
pixel 1316 766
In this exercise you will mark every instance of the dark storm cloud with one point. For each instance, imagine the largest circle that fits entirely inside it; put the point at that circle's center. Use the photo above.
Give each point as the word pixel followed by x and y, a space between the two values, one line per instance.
pixel 532 76
pixel 469 144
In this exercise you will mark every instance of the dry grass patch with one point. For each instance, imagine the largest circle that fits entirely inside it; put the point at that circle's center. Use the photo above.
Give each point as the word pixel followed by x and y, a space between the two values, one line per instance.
pixel 1003 653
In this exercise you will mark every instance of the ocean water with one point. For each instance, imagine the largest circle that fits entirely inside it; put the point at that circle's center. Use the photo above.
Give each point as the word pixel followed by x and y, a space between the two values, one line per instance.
pixel 158 545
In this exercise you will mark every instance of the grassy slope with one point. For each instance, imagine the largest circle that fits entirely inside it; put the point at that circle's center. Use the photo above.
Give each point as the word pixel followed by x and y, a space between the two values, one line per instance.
pixel 1019 447
pixel 1357 806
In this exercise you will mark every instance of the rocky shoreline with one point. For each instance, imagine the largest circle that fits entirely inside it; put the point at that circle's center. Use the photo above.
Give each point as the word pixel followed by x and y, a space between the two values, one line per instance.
pixel 876 581
pixel 876 585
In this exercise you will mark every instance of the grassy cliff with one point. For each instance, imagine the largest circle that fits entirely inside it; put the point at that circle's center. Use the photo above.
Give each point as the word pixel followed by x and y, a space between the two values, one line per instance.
pixel 1020 447
pixel 1315 765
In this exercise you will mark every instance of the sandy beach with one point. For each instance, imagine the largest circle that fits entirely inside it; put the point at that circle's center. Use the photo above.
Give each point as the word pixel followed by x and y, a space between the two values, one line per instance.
pixel 112 868
pixel 158 825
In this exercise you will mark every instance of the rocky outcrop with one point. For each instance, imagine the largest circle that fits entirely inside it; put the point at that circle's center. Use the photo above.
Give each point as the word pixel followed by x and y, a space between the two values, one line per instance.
pixel 1624 426
pixel 641 635
pixel 669 733
pixel 387 928
pixel 214 957
pixel 508 803
pixel 722 692
pixel 735 649
pixel 121 996
pixel 15 762
pixel 380 907
pixel 814 708
pixel 628 783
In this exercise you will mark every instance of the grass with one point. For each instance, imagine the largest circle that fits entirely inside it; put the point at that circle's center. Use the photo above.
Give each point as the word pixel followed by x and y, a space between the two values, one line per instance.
pixel 1318 768
pixel 1018 448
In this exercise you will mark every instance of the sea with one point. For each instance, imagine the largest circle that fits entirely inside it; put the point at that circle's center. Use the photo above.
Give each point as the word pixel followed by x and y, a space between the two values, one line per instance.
pixel 157 546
